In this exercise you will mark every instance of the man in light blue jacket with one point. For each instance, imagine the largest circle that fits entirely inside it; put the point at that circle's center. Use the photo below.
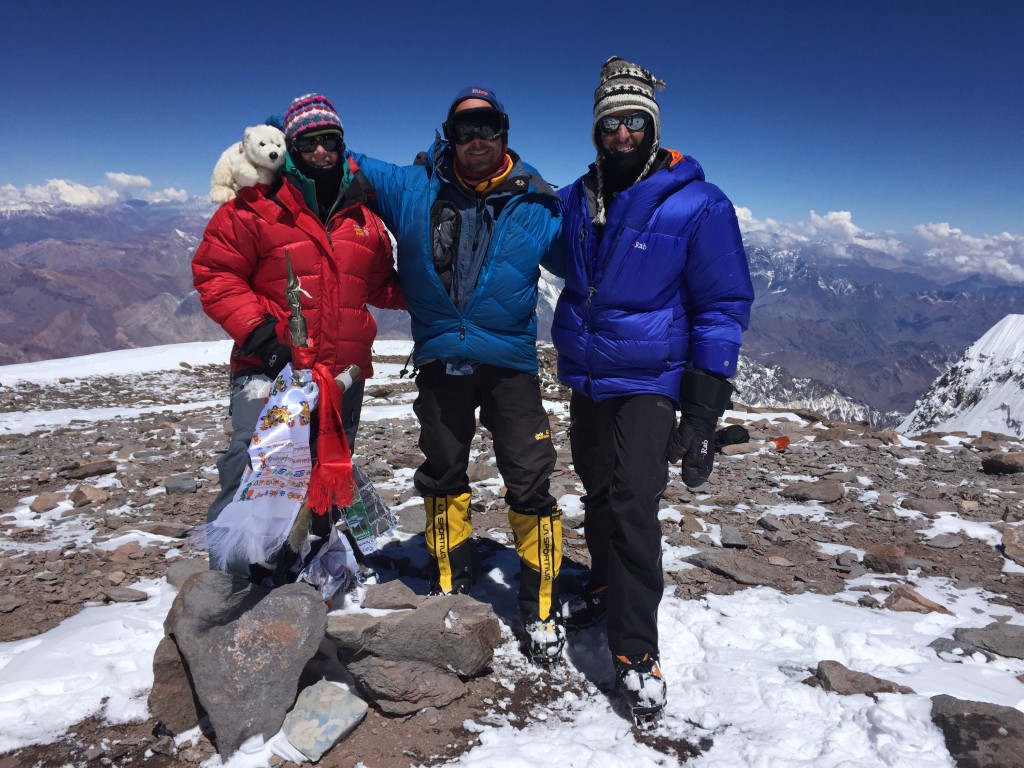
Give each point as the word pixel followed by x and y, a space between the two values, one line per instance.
pixel 657 295
pixel 474 223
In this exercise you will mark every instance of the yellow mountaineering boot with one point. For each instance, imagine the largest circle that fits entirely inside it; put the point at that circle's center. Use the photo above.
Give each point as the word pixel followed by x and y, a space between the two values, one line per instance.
pixel 538 535
pixel 447 533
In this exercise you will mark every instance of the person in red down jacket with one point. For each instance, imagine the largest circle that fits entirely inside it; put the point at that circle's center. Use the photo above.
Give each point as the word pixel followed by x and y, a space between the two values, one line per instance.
pixel 317 212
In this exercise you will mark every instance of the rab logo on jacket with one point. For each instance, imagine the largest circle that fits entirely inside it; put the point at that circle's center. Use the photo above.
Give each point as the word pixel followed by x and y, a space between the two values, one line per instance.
pixel 639 245
pixel 361 231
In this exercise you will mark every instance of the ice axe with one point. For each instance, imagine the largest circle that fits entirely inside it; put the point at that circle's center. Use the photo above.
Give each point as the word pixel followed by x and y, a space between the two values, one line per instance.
pixel 297 324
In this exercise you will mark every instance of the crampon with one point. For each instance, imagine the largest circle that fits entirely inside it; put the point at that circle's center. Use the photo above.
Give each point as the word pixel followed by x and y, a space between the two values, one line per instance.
pixel 543 640
pixel 639 680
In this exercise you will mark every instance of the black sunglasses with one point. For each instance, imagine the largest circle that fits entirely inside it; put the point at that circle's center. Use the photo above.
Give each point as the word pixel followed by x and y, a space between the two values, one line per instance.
pixel 634 122
pixel 486 124
pixel 330 142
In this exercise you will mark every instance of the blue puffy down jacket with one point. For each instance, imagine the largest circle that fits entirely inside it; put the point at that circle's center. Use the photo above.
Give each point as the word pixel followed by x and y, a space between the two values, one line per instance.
pixel 667 285
pixel 498 325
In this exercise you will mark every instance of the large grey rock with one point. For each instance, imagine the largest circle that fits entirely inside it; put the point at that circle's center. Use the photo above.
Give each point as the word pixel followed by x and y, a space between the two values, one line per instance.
pixel 88 494
pixel 179 571
pixel 453 631
pixel 391 595
pixel 183 482
pixel 125 595
pixel 930 508
pixel 171 699
pixel 978 734
pixel 886 558
pixel 350 631
pixel 245 647
pixel 1013 542
pixel 1003 464
pixel 904 598
pixel 742 570
pixel 945 541
pixel 732 537
pixel 833 676
pixel 403 687
pixel 824 491
pixel 80 471
pixel 409 660
pixel 997 638
pixel 46 501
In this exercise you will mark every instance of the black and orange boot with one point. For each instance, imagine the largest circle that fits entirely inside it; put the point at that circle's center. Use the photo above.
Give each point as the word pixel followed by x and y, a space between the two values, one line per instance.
pixel 638 678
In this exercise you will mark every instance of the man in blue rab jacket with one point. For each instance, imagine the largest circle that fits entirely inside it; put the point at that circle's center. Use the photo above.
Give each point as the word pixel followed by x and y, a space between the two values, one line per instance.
pixel 657 295
pixel 473 224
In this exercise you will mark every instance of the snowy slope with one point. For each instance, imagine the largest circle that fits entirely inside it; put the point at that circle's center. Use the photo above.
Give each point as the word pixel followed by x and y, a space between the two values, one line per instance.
pixel 984 390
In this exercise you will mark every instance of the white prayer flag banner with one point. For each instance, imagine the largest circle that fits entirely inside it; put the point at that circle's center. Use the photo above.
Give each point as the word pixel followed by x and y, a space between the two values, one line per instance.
pixel 256 523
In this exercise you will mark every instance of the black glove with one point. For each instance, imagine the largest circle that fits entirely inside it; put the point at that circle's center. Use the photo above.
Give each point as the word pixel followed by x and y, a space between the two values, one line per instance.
pixel 703 399
pixel 263 342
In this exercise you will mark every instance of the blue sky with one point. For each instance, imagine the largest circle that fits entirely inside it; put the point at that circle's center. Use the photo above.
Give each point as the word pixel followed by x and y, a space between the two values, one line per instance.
pixel 900 113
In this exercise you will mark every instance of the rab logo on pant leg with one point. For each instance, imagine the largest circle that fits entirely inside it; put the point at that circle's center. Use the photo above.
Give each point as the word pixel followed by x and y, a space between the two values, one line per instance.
pixel 703 449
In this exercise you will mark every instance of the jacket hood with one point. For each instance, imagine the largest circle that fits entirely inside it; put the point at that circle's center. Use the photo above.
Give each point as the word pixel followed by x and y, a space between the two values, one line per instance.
pixel 674 170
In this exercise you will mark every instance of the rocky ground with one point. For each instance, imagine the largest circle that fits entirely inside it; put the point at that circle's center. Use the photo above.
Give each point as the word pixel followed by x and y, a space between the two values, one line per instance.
pixel 70 496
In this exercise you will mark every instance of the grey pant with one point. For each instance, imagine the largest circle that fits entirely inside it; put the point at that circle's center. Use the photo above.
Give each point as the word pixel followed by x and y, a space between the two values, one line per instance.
pixel 244 415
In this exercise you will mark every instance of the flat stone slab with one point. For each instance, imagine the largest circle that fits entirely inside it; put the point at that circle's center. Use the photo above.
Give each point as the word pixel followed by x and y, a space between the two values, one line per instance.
pixel 740 569
pixel 324 714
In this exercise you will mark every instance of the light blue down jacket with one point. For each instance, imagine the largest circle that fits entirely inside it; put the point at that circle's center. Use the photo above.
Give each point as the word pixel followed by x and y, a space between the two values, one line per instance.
pixel 497 323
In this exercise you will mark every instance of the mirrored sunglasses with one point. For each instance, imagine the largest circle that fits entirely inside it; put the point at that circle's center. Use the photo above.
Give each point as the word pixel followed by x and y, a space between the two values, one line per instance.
pixel 634 122
pixel 331 142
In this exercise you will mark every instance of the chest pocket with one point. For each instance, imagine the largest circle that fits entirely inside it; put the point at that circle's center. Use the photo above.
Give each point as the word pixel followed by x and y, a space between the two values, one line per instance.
pixel 445 229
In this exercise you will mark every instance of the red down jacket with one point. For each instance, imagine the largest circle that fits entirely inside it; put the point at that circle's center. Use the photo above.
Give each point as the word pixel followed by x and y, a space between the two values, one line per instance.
pixel 239 271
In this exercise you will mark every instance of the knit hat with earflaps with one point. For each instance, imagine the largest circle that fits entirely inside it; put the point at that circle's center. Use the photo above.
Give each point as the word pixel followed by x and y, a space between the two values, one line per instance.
pixel 311 113
pixel 625 85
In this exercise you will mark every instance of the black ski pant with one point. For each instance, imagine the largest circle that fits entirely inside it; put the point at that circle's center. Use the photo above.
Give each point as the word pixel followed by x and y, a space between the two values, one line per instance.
pixel 618 449
pixel 510 407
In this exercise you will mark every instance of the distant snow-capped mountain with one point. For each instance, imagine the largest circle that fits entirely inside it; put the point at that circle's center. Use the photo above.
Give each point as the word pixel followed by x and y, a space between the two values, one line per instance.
pixel 984 390
pixel 24 222
pixel 857 337
pixel 880 335
pixel 771 386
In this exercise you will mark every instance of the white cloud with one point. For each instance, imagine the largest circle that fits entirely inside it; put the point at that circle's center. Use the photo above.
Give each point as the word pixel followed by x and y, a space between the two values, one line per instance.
pixel 1000 255
pixel 835 227
pixel 62 192
pixel 936 246
pixel 167 195
pixel 120 186
pixel 127 180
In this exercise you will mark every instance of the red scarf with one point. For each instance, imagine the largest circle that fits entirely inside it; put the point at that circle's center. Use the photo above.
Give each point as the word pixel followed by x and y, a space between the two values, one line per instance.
pixel 330 483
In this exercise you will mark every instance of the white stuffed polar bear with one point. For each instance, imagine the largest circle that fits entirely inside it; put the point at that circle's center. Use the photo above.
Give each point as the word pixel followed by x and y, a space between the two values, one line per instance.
pixel 253 160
